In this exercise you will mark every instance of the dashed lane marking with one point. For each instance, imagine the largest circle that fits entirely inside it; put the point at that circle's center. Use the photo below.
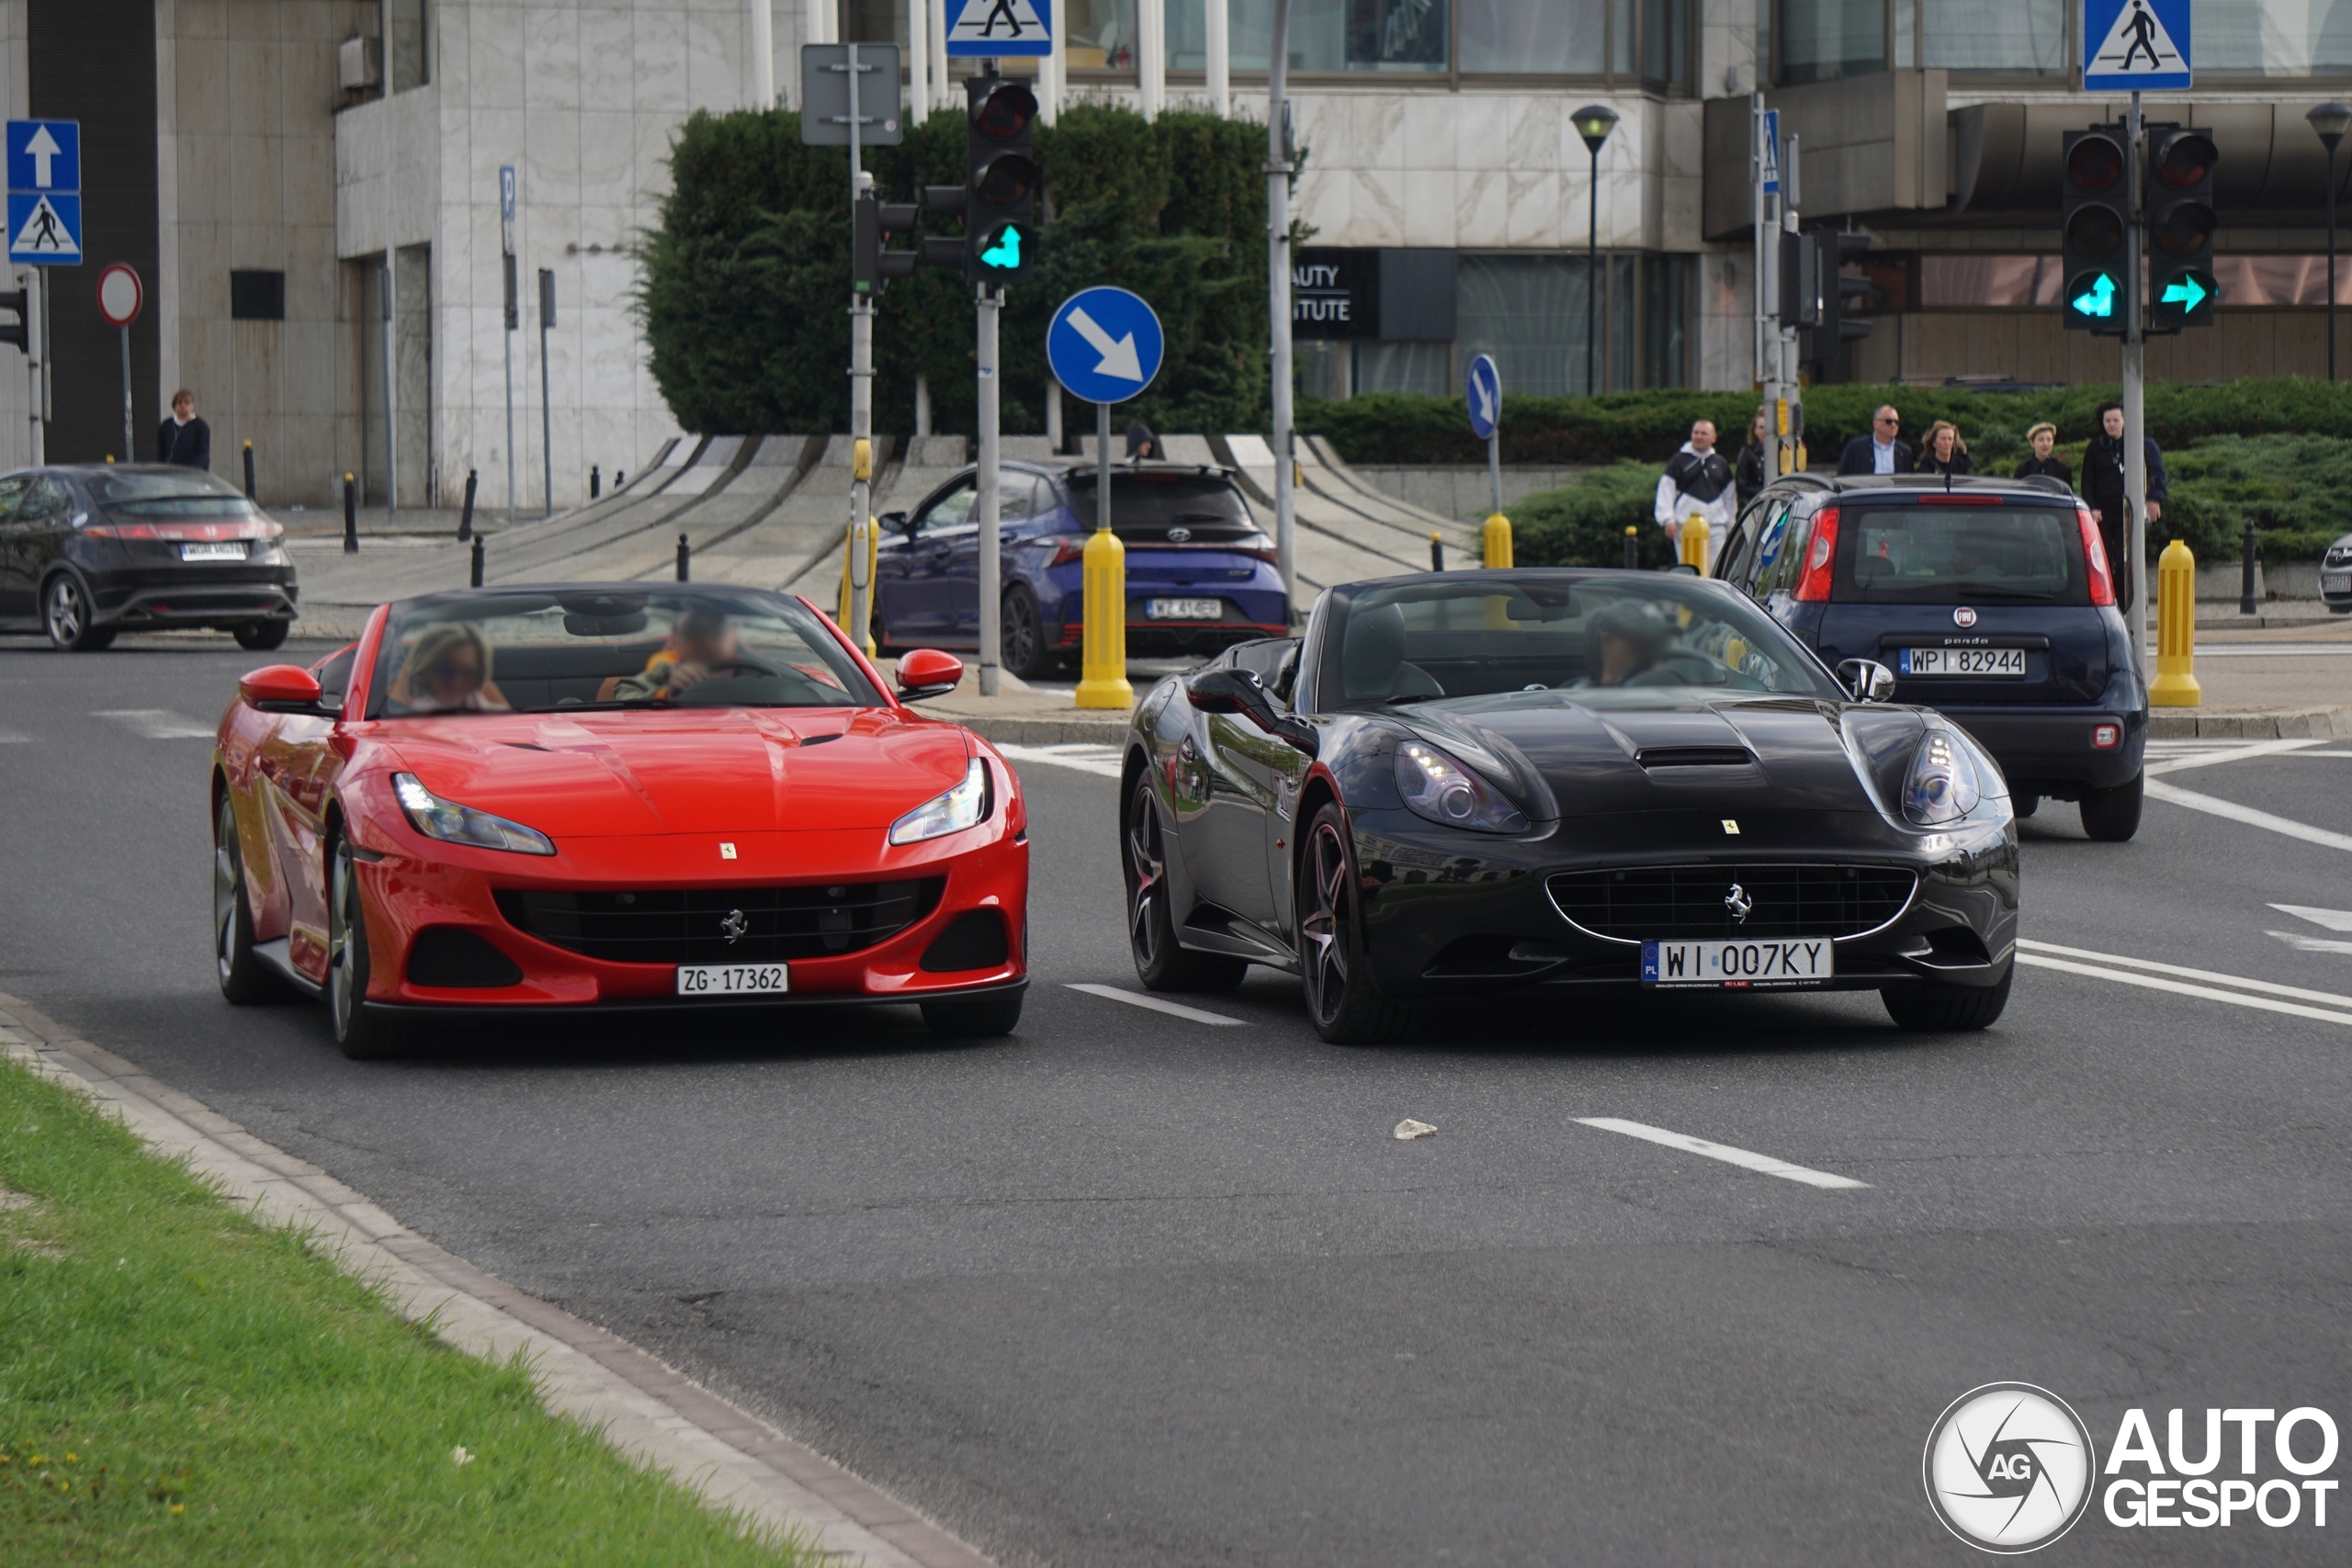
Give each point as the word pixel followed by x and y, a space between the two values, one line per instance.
pixel 2341 1013
pixel 1746 1159
pixel 159 724
pixel 2178 970
pixel 2214 805
pixel 1086 756
pixel 2172 759
pixel 1174 1009
pixel 11 737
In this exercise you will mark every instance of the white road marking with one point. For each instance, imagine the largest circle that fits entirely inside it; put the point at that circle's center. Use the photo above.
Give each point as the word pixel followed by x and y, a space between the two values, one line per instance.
pixel 2156 983
pixel 2302 944
pixel 1174 1009
pixel 1086 756
pixel 159 724
pixel 10 738
pixel 2333 919
pixel 2265 986
pixel 2175 761
pixel 1745 1160
pixel 2323 753
pixel 2265 649
pixel 2216 807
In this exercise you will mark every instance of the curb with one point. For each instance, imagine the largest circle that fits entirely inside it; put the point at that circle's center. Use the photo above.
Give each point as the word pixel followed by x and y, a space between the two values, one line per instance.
pixel 1107 729
pixel 651 1414
pixel 2280 724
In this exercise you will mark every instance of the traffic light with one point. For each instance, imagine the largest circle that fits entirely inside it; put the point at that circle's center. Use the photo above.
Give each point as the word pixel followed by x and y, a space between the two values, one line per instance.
pixel 871 266
pixel 1002 181
pixel 2181 228
pixel 2096 213
pixel 1800 281
pixel 18 332
pixel 1833 327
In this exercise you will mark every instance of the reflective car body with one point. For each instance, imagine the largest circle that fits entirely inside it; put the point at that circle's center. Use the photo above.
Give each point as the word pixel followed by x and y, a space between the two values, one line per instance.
pixel 1200 575
pixel 1619 816
pixel 630 840
pixel 2335 576
pixel 93 550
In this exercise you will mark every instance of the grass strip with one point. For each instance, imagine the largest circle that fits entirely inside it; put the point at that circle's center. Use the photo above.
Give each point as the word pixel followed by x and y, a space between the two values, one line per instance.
pixel 179 1385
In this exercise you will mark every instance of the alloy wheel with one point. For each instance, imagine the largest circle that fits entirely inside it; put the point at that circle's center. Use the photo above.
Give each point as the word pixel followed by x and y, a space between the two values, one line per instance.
pixel 227 873
pixel 343 915
pixel 1325 926
pixel 1146 875
pixel 68 613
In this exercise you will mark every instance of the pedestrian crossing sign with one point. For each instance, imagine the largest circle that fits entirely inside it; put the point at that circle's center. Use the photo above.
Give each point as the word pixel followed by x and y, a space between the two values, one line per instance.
pixel 44 228
pixel 1000 28
pixel 2143 46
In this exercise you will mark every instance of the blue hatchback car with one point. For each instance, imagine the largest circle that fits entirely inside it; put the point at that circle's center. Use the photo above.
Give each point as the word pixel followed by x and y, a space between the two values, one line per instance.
pixel 1991 601
pixel 1201 574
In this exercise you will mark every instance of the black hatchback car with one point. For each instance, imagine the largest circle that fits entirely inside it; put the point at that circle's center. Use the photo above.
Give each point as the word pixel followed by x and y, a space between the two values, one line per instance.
pixel 89 551
pixel 1991 601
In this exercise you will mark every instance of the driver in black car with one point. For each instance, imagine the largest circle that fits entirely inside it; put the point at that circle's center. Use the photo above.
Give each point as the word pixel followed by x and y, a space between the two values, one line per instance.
pixel 1624 642
pixel 700 641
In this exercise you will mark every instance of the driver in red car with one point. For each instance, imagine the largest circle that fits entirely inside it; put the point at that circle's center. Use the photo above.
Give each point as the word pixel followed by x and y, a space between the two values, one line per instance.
pixel 700 640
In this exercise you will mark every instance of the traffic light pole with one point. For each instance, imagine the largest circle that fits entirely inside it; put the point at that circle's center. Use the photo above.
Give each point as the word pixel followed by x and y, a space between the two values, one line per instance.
pixel 992 610
pixel 2135 446
pixel 1278 297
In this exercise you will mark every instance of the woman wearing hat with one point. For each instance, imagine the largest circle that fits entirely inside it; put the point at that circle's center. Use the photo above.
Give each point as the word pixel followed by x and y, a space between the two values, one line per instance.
pixel 2042 437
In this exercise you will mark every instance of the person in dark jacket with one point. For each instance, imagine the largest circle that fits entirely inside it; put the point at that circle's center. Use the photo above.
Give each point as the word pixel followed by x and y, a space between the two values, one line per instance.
pixel 1944 452
pixel 1879 452
pixel 1754 469
pixel 2103 489
pixel 184 439
pixel 2043 439
pixel 1142 444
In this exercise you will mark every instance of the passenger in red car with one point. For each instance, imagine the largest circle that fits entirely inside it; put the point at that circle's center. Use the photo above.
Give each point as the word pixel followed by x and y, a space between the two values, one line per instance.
pixel 448 672
pixel 701 640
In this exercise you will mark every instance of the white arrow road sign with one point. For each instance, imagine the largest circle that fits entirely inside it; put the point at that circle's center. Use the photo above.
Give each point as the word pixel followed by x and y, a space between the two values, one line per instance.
pixel 42 148
pixel 1119 358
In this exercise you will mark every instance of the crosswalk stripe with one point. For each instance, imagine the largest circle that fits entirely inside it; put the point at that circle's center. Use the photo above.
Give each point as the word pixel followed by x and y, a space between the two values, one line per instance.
pixel 158 723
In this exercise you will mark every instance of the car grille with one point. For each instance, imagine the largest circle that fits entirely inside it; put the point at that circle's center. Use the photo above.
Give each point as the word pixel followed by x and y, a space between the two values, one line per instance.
pixel 768 925
pixel 1688 903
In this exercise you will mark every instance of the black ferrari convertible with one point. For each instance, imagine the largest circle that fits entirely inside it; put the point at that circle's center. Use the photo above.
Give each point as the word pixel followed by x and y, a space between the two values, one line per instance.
pixel 1461 782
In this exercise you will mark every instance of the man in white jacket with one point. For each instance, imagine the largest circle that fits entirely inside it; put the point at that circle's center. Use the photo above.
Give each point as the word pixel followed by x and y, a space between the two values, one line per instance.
pixel 1697 480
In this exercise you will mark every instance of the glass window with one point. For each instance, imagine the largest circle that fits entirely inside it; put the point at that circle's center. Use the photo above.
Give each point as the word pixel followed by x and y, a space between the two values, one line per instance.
pixel 1529 312
pixel 12 489
pixel 2272 37
pixel 1558 38
pixel 1421 368
pixel 1960 555
pixel 1823 39
pixel 949 510
pixel 1325 35
pixel 1101 35
pixel 1665 41
pixel 2015 38
pixel 183 492
pixel 1144 505
pixel 1666 356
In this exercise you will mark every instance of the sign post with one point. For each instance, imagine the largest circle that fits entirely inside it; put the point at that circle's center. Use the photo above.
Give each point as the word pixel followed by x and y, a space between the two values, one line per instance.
pixel 44 230
pixel 513 318
pixel 120 295
pixel 1104 346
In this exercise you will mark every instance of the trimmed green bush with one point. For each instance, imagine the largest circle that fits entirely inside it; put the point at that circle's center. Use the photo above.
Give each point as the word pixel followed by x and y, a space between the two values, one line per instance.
pixel 1583 523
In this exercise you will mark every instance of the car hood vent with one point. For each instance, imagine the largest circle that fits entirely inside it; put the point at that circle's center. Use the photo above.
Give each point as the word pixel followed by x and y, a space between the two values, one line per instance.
pixel 1693 757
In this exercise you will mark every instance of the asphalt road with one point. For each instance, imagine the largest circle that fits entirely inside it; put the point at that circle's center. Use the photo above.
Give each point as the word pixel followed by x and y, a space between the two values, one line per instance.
pixel 1129 1288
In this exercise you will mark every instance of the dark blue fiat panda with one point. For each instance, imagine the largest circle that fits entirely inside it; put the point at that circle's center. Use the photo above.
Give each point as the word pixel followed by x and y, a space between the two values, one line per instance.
pixel 1989 600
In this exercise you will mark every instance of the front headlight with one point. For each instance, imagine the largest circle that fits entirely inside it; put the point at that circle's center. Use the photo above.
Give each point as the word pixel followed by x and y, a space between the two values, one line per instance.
pixel 1436 786
pixel 446 820
pixel 1943 787
pixel 959 808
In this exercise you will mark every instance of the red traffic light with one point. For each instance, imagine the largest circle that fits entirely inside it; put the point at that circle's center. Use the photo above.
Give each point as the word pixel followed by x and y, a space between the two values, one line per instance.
pixel 1005 113
pixel 2095 163
pixel 2184 158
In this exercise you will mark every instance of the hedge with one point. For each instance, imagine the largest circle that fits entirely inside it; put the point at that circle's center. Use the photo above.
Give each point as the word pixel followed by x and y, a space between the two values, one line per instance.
pixel 744 287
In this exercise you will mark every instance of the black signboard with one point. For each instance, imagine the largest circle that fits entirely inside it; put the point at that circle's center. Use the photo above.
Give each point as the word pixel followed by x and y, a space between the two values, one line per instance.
pixel 1335 294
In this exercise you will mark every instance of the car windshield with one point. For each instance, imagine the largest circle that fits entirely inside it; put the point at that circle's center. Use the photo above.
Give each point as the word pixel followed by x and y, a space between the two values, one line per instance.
pixel 1146 505
pixel 183 492
pixel 1613 639
pixel 1949 554
pixel 624 649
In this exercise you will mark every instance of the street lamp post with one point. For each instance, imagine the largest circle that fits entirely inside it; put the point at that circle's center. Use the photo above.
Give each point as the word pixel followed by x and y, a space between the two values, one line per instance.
pixel 1593 122
pixel 2331 121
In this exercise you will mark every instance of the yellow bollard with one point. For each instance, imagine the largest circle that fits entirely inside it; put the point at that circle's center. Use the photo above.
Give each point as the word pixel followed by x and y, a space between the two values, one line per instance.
pixel 2175 683
pixel 1694 542
pixel 1103 667
pixel 1495 536
pixel 861 636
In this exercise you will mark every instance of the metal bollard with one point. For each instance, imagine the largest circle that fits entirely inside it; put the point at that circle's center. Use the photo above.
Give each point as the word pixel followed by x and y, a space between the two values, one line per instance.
pixel 620 477
pixel 1632 549
pixel 1437 551
pixel 1496 540
pixel 1694 542
pixel 2175 683
pixel 475 553
pixel 466 518
pixel 595 481
pixel 686 559
pixel 350 515
pixel 2245 578
pixel 249 470
pixel 1102 671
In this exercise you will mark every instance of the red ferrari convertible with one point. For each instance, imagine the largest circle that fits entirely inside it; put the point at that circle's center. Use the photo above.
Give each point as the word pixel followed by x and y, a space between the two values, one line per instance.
pixel 609 796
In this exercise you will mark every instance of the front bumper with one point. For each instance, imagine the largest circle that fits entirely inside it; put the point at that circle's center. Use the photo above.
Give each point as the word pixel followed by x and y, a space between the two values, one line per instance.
pixel 1451 913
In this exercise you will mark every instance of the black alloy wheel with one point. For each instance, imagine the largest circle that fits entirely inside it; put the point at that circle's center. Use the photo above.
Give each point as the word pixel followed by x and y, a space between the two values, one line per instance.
pixel 2112 815
pixel 244 977
pixel 1022 636
pixel 363 1037
pixel 262 634
pixel 69 617
pixel 1162 964
pixel 1933 1010
pixel 1341 1000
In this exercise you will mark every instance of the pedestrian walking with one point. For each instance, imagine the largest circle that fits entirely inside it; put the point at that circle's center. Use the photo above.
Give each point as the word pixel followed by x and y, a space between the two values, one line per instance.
pixel 1879 452
pixel 1697 482
pixel 184 440
pixel 1754 469
pixel 1143 446
pixel 2043 439
pixel 2103 488
pixel 1943 452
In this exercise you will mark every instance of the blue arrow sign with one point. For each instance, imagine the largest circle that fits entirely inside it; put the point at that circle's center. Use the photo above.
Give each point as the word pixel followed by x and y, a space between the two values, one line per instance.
pixel 2099 300
pixel 1483 385
pixel 44 230
pixel 2136 45
pixel 991 29
pixel 44 154
pixel 2187 294
pixel 1104 344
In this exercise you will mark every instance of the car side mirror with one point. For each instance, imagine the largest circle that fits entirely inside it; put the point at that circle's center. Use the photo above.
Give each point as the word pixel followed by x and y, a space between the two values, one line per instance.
pixel 1685 568
pixel 928 673
pixel 1241 692
pixel 280 688
pixel 1870 681
pixel 897 522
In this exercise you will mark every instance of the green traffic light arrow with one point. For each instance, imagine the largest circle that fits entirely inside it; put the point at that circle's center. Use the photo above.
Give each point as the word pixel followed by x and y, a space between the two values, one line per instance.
pixel 2187 294
pixel 1006 251
pixel 2099 299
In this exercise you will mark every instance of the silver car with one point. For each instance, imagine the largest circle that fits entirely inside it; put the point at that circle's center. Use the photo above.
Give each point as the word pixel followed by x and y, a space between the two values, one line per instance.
pixel 2335 576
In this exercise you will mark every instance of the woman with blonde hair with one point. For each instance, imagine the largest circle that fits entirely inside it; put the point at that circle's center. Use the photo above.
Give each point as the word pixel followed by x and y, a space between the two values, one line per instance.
pixel 448 672
pixel 1943 452
pixel 2042 437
